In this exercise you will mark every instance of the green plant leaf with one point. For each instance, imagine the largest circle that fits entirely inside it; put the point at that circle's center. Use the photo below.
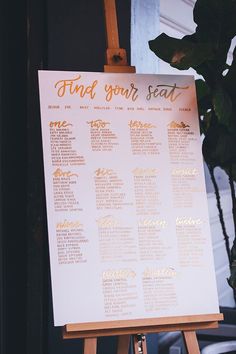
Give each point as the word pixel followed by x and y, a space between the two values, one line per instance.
pixel 205 122
pixel 222 105
pixel 203 96
pixel 202 89
pixel 232 278
pixel 216 25
pixel 204 105
pixel 229 83
pixel 179 53
pixel 233 171
pixel 219 147
pixel 229 79
pixel 216 19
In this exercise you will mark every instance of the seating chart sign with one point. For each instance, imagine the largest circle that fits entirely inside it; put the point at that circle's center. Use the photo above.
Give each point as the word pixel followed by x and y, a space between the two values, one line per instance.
pixel 128 224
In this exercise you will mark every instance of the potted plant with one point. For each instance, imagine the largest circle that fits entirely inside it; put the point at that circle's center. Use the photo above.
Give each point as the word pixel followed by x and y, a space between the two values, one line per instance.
pixel 206 52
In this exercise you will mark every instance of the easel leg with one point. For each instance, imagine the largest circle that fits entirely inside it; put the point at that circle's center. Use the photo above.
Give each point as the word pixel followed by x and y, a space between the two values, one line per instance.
pixel 191 342
pixel 90 346
pixel 137 341
pixel 123 344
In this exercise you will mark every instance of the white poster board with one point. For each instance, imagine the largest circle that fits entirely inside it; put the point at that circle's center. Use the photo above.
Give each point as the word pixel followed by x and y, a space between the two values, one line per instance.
pixel 127 210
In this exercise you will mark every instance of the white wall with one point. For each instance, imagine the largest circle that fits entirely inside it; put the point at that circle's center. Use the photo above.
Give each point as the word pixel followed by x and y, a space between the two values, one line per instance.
pixel 220 256
pixel 144 26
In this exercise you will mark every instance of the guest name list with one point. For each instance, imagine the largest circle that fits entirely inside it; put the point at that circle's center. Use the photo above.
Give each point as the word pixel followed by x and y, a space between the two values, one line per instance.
pixel 126 203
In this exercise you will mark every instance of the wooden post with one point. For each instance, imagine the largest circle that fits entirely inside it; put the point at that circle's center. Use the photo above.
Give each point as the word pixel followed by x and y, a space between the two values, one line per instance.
pixel 90 345
pixel 123 344
pixel 111 24
pixel 191 342
pixel 116 58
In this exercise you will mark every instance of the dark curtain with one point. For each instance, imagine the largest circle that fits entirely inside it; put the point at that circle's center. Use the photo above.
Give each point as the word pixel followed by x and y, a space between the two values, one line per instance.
pixel 37 34
pixel 13 170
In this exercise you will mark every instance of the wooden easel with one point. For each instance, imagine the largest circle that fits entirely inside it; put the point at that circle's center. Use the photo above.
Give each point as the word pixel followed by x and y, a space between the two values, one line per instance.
pixel 124 329
pixel 116 62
